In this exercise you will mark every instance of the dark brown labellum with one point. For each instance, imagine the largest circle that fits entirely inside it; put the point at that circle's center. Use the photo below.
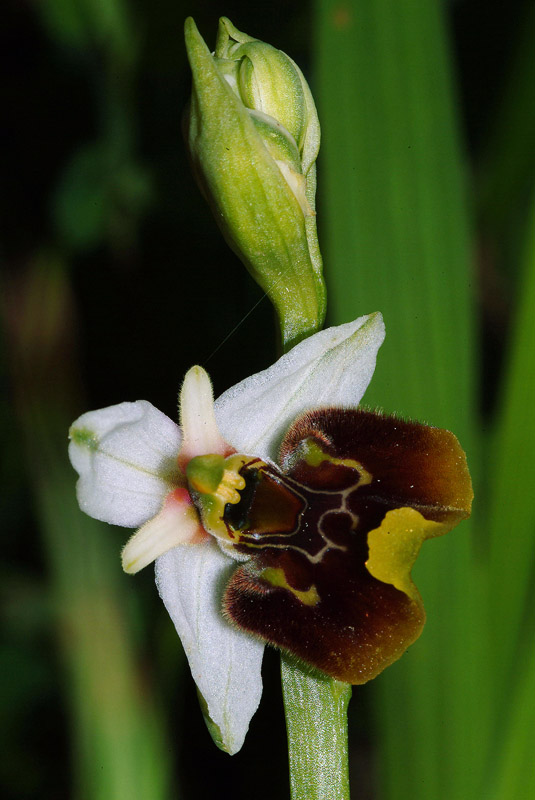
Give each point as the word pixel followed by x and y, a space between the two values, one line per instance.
pixel 307 587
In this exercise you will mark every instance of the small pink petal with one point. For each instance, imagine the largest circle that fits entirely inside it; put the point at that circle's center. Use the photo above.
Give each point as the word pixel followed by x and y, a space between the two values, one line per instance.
pixel 197 419
pixel 176 524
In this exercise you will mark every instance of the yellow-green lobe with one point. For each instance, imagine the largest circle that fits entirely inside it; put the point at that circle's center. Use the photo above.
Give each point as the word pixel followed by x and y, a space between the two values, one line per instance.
pixel 205 473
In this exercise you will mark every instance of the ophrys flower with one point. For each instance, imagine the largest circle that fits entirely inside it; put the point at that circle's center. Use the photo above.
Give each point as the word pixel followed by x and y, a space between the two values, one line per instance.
pixel 325 505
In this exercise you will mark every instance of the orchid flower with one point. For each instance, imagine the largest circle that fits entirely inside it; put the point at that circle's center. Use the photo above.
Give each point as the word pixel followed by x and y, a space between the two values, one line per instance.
pixel 279 514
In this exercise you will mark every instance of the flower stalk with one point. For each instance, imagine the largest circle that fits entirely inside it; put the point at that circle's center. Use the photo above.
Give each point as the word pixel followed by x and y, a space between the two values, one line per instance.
pixel 316 722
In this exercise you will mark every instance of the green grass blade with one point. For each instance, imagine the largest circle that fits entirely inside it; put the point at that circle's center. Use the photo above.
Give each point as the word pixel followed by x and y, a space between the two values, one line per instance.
pixel 506 212
pixel 507 165
pixel 511 510
pixel 514 775
pixel 395 238
pixel 119 744
pixel 118 738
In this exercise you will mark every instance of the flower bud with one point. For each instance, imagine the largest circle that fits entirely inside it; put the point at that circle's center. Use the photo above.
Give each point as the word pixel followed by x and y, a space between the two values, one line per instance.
pixel 253 135
pixel 270 82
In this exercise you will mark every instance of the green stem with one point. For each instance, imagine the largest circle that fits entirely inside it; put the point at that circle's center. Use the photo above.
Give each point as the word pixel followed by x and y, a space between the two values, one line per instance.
pixel 316 721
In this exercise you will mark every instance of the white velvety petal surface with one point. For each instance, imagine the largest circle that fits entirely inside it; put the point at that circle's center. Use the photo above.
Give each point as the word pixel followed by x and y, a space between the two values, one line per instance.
pixel 126 458
pixel 225 663
pixel 331 368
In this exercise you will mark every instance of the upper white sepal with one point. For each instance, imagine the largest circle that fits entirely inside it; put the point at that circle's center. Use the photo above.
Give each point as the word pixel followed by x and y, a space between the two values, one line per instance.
pixel 331 368
pixel 224 661
pixel 126 458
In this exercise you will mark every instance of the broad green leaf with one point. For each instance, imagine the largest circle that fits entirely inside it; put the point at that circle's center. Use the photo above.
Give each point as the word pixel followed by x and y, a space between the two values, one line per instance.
pixel 395 239
pixel 513 774
pixel 511 510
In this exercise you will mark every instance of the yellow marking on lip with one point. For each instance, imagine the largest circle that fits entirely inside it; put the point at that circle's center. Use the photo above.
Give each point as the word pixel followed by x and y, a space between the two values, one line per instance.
pixel 276 577
pixel 394 547
pixel 314 456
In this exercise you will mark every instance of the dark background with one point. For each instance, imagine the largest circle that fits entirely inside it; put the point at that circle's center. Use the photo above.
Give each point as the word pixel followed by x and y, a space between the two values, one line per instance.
pixel 95 178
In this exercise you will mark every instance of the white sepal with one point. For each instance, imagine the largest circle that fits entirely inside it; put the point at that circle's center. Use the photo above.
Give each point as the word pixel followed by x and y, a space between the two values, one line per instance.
pixel 224 661
pixel 331 368
pixel 126 458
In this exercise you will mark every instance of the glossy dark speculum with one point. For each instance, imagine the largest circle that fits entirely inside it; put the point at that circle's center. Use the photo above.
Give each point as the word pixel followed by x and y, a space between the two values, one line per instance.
pixel 309 587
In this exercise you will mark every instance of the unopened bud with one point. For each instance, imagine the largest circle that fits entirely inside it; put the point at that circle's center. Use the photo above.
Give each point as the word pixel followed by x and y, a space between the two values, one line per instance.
pixel 254 137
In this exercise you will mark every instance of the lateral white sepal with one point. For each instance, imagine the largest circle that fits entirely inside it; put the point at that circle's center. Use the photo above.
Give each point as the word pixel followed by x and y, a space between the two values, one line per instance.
pixel 224 661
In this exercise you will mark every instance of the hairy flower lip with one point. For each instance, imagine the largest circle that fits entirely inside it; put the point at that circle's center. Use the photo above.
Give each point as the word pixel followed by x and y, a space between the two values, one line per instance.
pixel 337 593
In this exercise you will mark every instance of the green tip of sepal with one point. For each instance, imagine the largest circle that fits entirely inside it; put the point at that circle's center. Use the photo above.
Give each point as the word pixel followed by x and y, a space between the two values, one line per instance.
pixel 227 34
pixel 213 729
pixel 253 137
pixel 83 437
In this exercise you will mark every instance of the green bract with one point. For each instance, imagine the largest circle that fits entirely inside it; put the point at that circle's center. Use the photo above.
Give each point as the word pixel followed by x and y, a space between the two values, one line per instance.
pixel 253 135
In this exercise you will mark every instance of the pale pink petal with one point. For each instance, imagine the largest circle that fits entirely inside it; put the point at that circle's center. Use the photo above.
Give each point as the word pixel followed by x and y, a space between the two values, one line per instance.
pixel 176 524
pixel 197 419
